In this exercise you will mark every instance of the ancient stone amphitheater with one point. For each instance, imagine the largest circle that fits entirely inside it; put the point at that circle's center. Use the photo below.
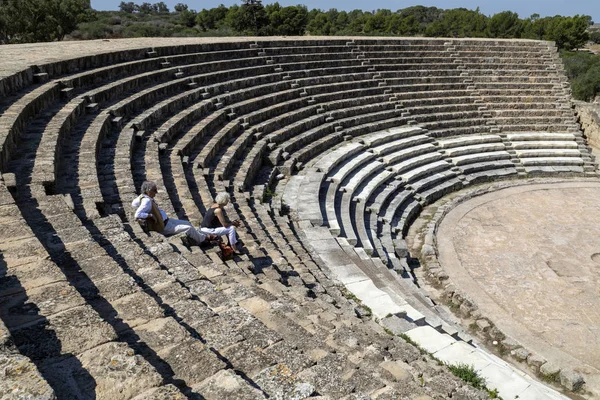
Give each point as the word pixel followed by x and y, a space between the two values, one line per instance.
pixel 331 149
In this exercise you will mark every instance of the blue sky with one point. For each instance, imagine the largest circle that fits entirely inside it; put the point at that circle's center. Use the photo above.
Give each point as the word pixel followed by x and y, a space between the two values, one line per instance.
pixel 523 7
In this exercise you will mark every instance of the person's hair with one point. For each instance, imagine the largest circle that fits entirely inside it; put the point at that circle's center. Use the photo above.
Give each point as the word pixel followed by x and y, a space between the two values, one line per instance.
pixel 147 186
pixel 222 198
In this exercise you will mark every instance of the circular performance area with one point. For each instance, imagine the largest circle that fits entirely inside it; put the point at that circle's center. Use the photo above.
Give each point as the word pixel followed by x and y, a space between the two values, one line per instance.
pixel 528 257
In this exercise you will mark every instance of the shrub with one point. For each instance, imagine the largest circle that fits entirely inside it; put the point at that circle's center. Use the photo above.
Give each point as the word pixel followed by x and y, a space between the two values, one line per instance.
pixel 583 70
pixel 93 30
pixel 595 37
pixel 181 31
pixel 143 30
pixel 587 86
pixel 115 20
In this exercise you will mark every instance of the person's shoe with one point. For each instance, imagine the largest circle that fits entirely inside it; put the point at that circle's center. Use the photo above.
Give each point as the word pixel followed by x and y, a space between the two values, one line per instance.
pixel 238 248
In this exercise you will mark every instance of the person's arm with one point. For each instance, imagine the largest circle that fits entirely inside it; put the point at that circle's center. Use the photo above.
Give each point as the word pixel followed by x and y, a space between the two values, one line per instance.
pixel 144 209
pixel 136 202
pixel 224 220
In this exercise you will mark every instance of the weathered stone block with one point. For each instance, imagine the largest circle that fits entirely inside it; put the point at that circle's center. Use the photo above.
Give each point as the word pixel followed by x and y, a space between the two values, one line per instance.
pixel 571 380
pixel 550 371
pixel 22 380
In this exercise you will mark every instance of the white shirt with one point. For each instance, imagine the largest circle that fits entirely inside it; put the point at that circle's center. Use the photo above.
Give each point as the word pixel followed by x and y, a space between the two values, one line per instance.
pixel 143 204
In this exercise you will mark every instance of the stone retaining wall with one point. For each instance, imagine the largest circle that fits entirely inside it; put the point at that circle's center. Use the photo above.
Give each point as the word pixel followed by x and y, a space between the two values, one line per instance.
pixel 589 118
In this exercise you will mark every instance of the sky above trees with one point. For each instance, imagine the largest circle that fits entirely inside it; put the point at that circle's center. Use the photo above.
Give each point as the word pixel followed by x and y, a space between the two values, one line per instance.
pixel 523 8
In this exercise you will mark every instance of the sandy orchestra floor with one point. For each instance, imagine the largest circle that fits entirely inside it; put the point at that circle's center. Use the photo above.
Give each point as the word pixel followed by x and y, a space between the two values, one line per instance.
pixel 530 258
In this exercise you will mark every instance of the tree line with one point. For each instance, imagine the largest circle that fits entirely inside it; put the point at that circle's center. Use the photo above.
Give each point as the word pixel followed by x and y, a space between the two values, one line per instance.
pixel 48 20
pixel 252 18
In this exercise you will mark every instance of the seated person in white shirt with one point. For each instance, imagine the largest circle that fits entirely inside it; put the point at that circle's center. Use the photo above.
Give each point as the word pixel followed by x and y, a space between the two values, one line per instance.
pixel 156 219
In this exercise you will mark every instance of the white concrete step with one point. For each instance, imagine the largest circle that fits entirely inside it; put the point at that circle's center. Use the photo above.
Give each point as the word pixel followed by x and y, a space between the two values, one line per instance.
pixel 409 153
pixel 510 382
pixel 481 157
pixel 475 148
pixel 334 224
pixel 372 185
pixel 360 175
pixel 425 170
pixel 344 170
pixel 548 153
pixel 517 137
pixel 468 141
pixel 401 144
pixel 544 144
pixel 331 159
pixel 551 161
pixel 379 138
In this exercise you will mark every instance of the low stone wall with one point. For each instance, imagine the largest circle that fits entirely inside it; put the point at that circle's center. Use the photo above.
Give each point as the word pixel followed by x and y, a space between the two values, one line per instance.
pixel 588 115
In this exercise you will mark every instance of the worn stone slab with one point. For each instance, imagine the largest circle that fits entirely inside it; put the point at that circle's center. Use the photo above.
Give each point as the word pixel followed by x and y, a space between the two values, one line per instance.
pixel 509 383
pixel 191 361
pixel 331 159
pixel 308 199
pixel 225 384
pixel 430 339
pixel 325 376
pixel 137 309
pixel 378 301
pixel 44 301
pixel 461 352
pixel 348 274
pixel 280 383
pixel 391 134
pixel 111 371
pixel 539 392
pixel 72 331
pixel 22 380
pixel 167 392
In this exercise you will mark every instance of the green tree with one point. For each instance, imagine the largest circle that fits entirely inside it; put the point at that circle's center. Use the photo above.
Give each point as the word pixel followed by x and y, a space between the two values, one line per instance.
pixel 587 86
pixel 213 18
pixel 187 18
pixel 458 22
pixel 287 20
pixel 161 7
pixel 535 27
pixel 415 19
pixel 505 25
pixel 128 7
pixel 568 32
pixel 252 18
pixel 144 8
pixel 319 25
pixel 41 20
pixel 341 22
pixel 583 70
pixel 378 22
pixel 179 7
pixel 358 20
